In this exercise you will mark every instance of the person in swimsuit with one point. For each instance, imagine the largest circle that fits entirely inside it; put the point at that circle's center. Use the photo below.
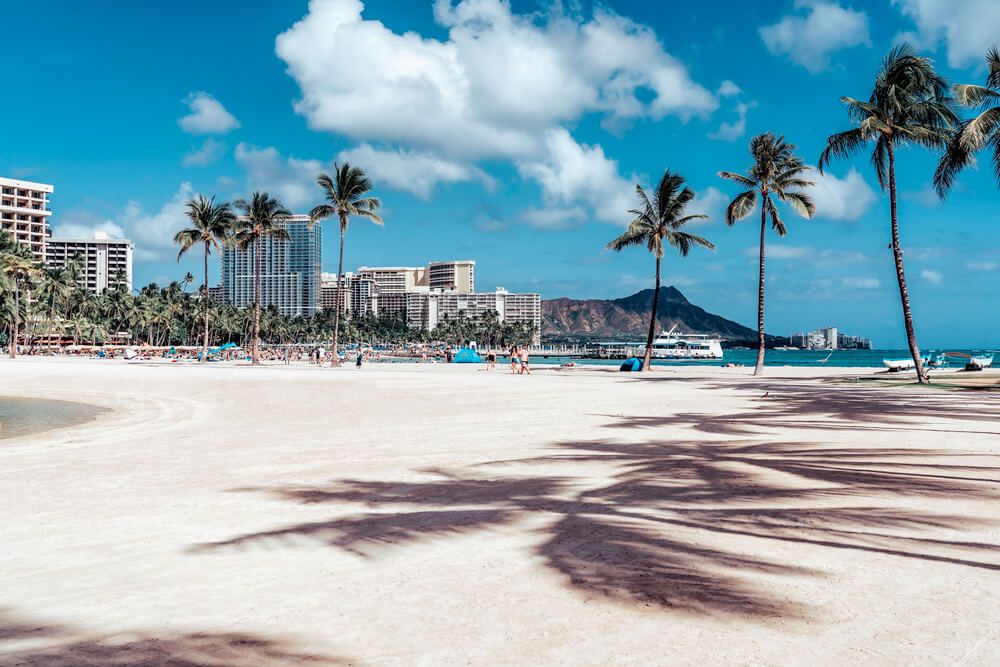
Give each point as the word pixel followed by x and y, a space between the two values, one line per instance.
pixel 524 361
pixel 515 362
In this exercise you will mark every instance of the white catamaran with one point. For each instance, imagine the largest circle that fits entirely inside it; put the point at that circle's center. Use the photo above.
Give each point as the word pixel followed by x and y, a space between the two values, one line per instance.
pixel 669 345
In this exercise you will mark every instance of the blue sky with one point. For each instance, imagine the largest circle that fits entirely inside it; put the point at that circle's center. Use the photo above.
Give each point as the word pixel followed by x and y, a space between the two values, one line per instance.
pixel 512 134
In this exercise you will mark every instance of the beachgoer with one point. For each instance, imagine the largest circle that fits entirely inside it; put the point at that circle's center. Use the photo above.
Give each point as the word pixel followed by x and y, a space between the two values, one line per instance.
pixel 320 355
pixel 359 359
pixel 515 360
pixel 524 361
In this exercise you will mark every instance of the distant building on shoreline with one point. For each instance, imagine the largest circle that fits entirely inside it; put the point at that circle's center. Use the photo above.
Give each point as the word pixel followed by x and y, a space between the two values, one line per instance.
pixel 24 212
pixel 105 263
pixel 829 339
pixel 290 270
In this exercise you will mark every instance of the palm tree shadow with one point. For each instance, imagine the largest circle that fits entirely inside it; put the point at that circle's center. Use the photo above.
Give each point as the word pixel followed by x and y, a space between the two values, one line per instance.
pixel 25 643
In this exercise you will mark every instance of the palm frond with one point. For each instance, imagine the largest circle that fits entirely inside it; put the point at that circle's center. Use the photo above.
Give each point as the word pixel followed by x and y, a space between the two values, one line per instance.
pixel 741 206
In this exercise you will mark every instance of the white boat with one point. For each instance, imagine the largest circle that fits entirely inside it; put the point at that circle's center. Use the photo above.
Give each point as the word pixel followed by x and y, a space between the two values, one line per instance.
pixel 978 363
pixel 896 365
pixel 669 345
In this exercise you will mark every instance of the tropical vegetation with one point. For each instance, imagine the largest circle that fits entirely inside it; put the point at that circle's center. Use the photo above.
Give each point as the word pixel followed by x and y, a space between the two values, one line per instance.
pixel 776 172
pixel 659 221
pixel 909 105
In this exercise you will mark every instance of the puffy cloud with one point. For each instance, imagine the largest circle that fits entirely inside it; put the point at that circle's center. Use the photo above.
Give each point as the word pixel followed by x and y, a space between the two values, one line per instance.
pixel 844 198
pixel 727 89
pixel 736 129
pixel 77 228
pixel 573 176
pixel 810 39
pixel 412 171
pixel 494 88
pixel 209 151
pixel 291 180
pixel 153 233
pixel 207 116
pixel 711 202
pixel 553 218
pixel 968 27
pixel 931 276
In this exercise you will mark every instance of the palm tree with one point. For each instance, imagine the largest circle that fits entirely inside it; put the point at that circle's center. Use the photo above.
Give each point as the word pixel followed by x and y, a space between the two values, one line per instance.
pixel 18 263
pixel 908 105
pixel 263 217
pixel 210 225
pixel 973 135
pixel 345 196
pixel 656 222
pixel 53 290
pixel 775 170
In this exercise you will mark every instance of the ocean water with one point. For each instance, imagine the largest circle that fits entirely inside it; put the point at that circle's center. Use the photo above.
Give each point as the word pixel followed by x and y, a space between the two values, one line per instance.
pixel 837 358
pixel 24 416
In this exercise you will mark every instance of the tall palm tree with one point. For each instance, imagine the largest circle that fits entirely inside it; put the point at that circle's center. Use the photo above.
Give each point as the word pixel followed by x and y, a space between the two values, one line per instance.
pixel 974 134
pixel 53 290
pixel 908 105
pixel 776 170
pixel 262 217
pixel 210 225
pixel 18 264
pixel 346 195
pixel 659 221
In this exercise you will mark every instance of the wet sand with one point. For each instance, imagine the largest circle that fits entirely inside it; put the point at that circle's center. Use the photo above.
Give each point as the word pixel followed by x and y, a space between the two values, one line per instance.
pixel 416 514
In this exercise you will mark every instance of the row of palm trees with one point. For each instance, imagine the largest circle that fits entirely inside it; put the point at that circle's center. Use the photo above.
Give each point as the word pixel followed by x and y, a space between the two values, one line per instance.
pixel 910 105
pixel 247 223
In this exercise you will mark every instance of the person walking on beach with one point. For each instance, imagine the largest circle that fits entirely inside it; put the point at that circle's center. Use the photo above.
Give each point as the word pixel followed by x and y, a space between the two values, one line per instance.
pixel 320 354
pixel 359 359
pixel 524 361
pixel 515 361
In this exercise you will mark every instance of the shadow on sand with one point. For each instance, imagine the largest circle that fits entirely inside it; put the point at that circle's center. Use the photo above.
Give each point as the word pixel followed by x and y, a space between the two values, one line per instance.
pixel 64 647
pixel 640 521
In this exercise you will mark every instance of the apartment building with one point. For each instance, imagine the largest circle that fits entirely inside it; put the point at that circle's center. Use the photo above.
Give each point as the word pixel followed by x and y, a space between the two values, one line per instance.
pixel 424 310
pixel 105 263
pixel 24 212
pixel 455 275
pixel 290 270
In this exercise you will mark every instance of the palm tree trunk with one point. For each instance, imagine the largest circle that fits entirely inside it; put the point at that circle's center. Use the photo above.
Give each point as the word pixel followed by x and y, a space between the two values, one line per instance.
pixel 336 299
pixel 652 320
pixel 759 367
pixel 204 347
pixel 897 252
pixel 12 350
pixel 255 350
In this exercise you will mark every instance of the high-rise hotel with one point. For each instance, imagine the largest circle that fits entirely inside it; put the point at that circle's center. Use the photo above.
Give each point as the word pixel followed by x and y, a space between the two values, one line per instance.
pixel 24 212
pixel 290 270
pixel 104 262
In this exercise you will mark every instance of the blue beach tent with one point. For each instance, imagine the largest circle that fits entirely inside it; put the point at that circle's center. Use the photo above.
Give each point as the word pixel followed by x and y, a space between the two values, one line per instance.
pixel 631 364
pixel 466 355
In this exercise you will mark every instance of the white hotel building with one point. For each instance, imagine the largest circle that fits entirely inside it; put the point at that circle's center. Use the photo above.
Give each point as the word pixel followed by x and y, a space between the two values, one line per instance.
pixel 105 262
pixel 24 212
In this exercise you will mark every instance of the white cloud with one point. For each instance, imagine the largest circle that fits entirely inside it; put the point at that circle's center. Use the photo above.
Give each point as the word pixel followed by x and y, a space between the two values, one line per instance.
pixel 860 283
pixel 810 39
pixel 82 229
pixel 499 82
pixel 412 171
pixel 844 198
pixel 933 277
pixel 207 116
pixel 711 202
pixel 153 233
pixel 291 180
pixel 575 175
pixel 736 129
pixel 817 257
pixel 968 27
pixel 782 252
pixel 982 266
pixel 209 151
pixel 727 89
pixel 553 218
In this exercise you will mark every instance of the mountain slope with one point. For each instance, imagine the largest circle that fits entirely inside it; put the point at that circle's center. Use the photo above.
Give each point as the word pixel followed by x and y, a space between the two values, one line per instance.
pixel 628 317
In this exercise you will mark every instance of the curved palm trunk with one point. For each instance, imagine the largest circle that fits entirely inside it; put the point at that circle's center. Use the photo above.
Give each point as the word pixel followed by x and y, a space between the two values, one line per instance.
pixel 336 299
pixel 204 346
pixel 255 350
pixel 652 320
pixel 759 367
pixel 897 253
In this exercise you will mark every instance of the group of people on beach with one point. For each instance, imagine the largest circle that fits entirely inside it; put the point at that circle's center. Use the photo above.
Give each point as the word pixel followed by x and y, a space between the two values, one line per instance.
pixel 519 361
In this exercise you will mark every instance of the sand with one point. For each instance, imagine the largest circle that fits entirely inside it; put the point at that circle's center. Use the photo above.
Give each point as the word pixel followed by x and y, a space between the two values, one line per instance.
pixel 438 515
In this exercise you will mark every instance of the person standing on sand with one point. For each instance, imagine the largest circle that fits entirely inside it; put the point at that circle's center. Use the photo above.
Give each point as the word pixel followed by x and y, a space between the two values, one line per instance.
pixel 360 358
pixel 524 361
pixel 515 362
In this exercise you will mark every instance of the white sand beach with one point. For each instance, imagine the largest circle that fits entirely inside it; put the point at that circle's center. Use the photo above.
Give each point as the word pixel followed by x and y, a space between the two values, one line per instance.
pixel 436 515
